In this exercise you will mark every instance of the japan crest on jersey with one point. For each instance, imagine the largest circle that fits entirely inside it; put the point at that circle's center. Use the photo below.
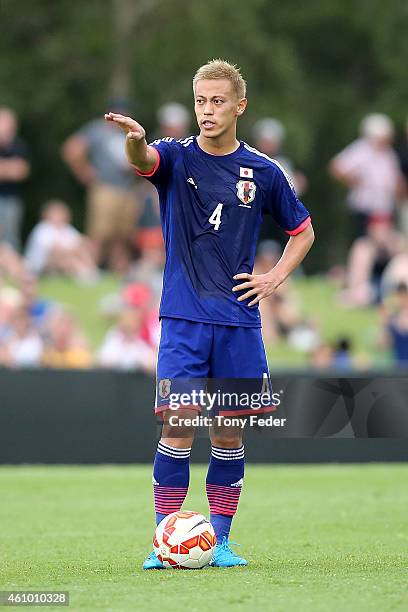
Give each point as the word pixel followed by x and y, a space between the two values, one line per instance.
pixel 246 191
pixel 164 387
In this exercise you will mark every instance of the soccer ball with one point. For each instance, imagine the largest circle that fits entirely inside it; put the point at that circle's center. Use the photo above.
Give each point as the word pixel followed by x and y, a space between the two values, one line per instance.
pixel 184 540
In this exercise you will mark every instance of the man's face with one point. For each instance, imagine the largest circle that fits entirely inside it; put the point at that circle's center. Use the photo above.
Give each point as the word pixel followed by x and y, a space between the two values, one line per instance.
pixel 216 107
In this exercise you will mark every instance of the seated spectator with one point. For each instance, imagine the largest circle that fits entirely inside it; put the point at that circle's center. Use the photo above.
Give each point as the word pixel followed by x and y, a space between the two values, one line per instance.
pixel 395 273
pixel 342 356
pixel 55 247
pixel 336 355
pixel 321 357
pixel 65 344
pixel 148 268
pixel 124 348
pixel 395 325
pixel 137 295
pixel 37 307
pixel 10 303
pixel 305 336
pixel 11 263
pixel 280 311
pixel 23 347
pixel 369 256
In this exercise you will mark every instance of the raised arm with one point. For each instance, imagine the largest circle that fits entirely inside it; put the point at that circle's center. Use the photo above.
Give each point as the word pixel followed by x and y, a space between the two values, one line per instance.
pixel 138 152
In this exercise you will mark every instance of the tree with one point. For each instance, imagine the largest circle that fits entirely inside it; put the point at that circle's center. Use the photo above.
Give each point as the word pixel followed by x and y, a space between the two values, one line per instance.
pixel 319 67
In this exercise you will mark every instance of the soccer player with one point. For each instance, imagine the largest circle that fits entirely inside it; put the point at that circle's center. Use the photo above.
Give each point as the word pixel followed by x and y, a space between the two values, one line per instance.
pixel 213 191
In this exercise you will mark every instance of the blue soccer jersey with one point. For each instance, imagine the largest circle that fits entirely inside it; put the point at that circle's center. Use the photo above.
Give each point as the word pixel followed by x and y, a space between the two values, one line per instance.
pixel 211 209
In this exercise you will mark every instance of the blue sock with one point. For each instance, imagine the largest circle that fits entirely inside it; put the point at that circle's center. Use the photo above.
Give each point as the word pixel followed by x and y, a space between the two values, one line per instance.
pixel 224 483
pixel 171 476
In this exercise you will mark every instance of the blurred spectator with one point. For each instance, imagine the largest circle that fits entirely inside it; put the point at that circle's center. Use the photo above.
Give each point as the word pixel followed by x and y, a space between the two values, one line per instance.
pixel 11 264
pixel 342 357
pixel 173 120
pixel 305 336
pixel 336 356
pixel 395 273
pixel 38 308
pixel 269 135
pixel 369 168
pixel 402 152
pixel 10 302
pixel 137 295
pixel 124 348
pixel 149 232
pixel 369 256
pixel 321 357
pixel 65 344
pixel 140 296
pixel 23 346
pixel 148 268
pixel 14 168
pixel 96 156
pixel 54 246
pixel 280 311
pixel 395 325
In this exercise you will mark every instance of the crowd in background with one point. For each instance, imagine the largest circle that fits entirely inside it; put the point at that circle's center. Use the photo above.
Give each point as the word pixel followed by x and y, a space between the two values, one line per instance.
pixel 122 235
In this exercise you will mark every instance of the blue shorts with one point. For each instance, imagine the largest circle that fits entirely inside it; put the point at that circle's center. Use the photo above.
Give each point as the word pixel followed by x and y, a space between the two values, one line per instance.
pixel 193 354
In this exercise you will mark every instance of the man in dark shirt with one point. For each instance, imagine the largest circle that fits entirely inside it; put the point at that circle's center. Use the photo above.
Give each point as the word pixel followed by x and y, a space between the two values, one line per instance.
pixel 14 168
pixel 402 152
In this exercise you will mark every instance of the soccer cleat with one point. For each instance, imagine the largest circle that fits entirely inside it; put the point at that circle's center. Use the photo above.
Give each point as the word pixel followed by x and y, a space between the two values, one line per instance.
pixel 223 556
pixel 152 562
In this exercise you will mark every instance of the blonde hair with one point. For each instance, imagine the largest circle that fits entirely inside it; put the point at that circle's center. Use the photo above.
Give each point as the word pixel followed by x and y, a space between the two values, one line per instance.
pixel 220 69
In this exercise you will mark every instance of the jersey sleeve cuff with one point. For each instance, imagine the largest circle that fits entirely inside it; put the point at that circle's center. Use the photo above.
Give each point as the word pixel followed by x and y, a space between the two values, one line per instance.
pixel 151 172
pixel 300 227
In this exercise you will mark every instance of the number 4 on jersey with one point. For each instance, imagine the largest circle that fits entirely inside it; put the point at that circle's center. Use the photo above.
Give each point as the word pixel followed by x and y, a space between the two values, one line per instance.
pixel 215 218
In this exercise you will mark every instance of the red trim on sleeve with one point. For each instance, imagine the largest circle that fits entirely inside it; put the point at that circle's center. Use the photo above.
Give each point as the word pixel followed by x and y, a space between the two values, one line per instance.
pixel 148 174
pixel 300 227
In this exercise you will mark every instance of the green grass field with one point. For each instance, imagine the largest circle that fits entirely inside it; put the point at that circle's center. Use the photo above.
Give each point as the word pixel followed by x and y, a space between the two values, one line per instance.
pixel 318 538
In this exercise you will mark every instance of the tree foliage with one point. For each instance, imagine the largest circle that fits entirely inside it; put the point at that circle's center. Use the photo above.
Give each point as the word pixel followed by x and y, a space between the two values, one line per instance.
pixel 319 66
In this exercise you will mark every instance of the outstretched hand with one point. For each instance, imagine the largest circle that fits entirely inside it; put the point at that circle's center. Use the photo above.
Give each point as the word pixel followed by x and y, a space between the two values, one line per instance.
pixel 133 129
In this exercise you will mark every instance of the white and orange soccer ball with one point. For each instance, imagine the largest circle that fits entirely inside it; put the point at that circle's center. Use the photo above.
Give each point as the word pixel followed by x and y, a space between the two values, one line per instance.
pixel 184 540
